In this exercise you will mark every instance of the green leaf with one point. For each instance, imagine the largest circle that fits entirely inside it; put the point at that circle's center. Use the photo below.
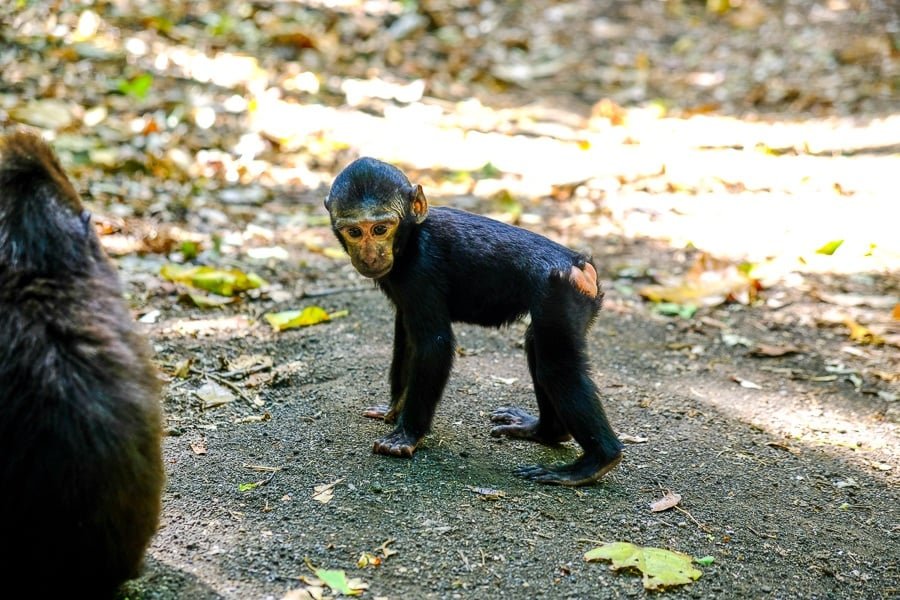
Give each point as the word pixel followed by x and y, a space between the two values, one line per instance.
pixel 830 247
pixel 660 568
pixel 214 301
pixel 488 171
pixel 218 281
pixel 337 580
pixel 291 319
pixel 137 87
pixel 190 249
pixel 705 561
pixel 672 309
pixel 246 487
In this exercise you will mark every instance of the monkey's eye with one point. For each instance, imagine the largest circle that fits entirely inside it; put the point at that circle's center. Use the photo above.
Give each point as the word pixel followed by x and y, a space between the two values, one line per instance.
pixel 380 229
pixel 354 232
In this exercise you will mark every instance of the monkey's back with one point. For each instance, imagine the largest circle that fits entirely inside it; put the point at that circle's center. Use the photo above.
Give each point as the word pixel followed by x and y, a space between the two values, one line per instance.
pixel 496 267
pixel 79 435
pixel 80 459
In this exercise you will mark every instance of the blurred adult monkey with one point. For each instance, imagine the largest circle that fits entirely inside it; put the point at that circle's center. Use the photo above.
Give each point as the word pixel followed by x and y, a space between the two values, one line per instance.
pixel 81 469
pixel 441 266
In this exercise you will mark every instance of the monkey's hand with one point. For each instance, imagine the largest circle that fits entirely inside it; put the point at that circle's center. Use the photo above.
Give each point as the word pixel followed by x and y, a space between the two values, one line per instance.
pixel 397 443
pixel 381 411
pixel 516 422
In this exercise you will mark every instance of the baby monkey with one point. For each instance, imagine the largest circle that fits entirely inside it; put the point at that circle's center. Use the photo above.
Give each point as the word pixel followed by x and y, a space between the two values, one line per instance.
pixel 80 421
pixel 439 266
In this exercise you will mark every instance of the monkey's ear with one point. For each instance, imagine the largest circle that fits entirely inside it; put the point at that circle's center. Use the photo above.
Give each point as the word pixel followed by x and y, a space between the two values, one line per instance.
pixel 419 204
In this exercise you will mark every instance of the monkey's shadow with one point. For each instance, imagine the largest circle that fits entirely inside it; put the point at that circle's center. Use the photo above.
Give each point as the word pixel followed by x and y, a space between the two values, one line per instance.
pixel 161 582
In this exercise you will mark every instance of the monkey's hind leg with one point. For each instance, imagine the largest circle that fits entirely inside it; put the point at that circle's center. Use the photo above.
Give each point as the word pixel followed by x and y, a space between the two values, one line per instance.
pixel 517 422
pixel 561 371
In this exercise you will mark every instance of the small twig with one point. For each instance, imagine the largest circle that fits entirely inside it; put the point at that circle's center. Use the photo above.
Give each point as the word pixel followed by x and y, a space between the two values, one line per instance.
pixel 703 528
pixel 263 468
pixel 762 535
pixel 247 371
pixel 465 560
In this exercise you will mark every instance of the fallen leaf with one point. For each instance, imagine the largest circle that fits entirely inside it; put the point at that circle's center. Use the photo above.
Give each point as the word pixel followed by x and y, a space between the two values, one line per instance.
pixel 732 339
pixel 505 380
pixel 746 383
pixel 846 483
pixel 385 551
pixel 668 501
pixel 488 493
pixel 705 561
pixel 709 282
pixel 300 594
pixel 780 446
pixel 765 350
pixel 212 394
pixel 673 309
pixel 210 301
pixel 895 312
pixel 46 114
pixel 660 568
pixel 829 248
pixel 136 87
pixel 246 487
pixel 632 439
pixel 325 492
pixel 218 281
pixel 862 334
pixel 849 300
pixel 291 319
pixel 151 316
pixel 199 447
pixel 337 581
pixel 367 559
pixel 183 368
pixel 249 363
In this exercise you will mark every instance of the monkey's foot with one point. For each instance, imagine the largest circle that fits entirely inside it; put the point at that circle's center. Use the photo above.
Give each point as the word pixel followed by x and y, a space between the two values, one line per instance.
pixel 397 443
pixel 381 411
pixel 516 422
pixel 583 471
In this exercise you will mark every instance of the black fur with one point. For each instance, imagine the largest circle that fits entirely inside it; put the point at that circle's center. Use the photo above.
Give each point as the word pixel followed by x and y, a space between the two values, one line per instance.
pixel 459 267
pixel 80 422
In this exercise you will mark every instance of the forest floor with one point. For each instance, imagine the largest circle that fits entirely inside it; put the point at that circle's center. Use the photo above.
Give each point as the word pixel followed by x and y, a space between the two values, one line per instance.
pixel 730 173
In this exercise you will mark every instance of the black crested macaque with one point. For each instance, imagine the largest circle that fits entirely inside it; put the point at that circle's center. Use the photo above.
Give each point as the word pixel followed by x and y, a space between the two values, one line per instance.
pixel 443 265
pixel 81 469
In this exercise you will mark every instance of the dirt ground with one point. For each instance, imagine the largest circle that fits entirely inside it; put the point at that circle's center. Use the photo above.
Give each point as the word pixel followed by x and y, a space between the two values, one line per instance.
pixel 792 488
pixel 641 132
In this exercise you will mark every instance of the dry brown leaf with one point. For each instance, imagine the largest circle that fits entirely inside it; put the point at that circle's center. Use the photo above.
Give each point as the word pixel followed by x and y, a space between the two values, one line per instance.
pixel 765 350
pixel 862 334
pixel 385 551
pixel 632 439
pixel 199 447
pixel 668 501
pixel 745 383
pixel 325 492
pixel 307 593
pixel 709 282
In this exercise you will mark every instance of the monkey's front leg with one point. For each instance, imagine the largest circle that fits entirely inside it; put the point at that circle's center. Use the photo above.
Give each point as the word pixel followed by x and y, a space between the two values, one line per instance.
pixel 426 371
pixel 385 412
